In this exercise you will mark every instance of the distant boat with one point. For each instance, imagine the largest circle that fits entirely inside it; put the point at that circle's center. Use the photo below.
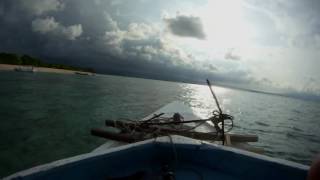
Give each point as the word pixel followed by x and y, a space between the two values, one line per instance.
pixel 25 69
pixel 83 73
pixel 166 157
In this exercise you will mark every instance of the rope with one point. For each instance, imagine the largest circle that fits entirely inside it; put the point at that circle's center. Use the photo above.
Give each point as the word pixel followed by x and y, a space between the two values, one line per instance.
pixel 153 126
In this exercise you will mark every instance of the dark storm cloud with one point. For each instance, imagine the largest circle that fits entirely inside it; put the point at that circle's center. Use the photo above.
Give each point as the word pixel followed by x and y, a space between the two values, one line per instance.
pixel 74 29
pixel 118 38
pixel 30 27
pixel 186 26
pixel 15 32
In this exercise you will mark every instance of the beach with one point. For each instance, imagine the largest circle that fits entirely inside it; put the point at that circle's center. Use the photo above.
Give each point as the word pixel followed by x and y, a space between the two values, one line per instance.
pixel 9 67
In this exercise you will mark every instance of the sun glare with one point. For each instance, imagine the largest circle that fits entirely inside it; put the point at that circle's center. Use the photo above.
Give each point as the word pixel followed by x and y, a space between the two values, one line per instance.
pixel 225 25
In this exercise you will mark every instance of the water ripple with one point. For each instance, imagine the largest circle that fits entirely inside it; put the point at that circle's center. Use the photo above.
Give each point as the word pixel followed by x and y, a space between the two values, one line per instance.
pixel 262 124
pixel 53 113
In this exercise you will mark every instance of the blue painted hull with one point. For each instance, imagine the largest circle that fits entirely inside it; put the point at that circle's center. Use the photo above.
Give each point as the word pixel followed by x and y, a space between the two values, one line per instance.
pixel 183 158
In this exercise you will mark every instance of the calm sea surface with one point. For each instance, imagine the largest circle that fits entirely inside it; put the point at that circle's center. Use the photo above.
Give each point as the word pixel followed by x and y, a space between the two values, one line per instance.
pixel 45 117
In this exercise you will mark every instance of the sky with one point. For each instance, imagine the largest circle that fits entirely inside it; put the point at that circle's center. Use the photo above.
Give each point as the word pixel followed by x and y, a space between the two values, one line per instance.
pixel 270 45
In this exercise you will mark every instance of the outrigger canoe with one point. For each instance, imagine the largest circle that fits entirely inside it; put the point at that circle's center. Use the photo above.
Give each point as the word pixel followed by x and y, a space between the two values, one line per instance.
pixel 204 131
pixel 167 157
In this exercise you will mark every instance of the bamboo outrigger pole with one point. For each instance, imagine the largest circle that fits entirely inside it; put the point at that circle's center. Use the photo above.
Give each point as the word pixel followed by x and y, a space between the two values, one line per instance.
pixel 220 111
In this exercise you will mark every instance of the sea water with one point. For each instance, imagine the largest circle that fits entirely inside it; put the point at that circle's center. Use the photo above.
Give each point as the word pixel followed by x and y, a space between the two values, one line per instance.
pixel 45 117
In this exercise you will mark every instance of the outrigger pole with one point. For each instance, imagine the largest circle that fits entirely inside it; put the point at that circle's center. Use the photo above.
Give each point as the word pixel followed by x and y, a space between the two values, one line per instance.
pixel 220 111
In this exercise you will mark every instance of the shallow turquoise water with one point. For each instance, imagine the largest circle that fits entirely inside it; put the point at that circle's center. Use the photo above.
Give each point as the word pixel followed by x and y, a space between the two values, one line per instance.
pixel 45 117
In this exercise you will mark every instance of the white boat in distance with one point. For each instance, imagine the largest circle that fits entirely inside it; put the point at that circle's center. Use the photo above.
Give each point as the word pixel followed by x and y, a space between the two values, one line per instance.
pixel 25 69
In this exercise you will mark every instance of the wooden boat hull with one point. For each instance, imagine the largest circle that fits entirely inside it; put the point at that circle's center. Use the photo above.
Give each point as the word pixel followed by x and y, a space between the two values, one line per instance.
pixel 181 157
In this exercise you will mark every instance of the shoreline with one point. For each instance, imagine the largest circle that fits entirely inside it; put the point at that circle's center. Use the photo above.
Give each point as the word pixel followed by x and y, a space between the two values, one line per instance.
pixel 9 67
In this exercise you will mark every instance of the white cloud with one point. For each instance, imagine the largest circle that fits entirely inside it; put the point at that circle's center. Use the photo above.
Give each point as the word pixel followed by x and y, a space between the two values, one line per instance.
pixel 232 55
pixel 49 25
pixel 44 26
pixel 136 41
pixel 141 31
pixel 39 7
pixel 111 24
pixel 147 42
pixel 295 22
pixel 72 32
pixel 129 42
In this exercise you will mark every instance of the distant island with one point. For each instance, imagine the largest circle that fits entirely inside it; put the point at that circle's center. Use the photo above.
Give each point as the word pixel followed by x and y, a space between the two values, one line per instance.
pixel 26 60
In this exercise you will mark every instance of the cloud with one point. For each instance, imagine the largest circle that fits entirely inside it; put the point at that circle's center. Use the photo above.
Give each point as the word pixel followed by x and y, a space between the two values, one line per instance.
pixel 186 26
pixel 210 67
pixel 311 86
pixel 317 41
pixel 72 32
pixel 49 25
pixel 138 40
pixel 230 55
pixel 266 84
pixel 2 8
pixel 295 23
pixel 39 7
pixel 44 25
pixel 127 36
pixel 111 24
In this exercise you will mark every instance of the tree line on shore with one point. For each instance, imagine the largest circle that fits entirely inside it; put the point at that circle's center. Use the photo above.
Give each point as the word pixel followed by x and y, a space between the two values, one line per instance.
pixel 14 59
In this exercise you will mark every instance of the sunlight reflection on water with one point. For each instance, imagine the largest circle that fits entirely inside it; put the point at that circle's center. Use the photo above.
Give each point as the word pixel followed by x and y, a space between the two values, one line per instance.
pixel 285 126
pixel 201 100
